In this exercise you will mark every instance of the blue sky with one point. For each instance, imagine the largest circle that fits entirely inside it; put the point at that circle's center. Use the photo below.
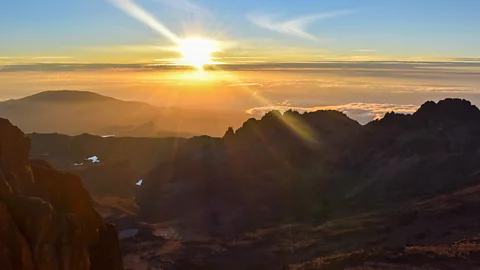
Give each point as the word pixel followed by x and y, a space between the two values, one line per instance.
pixel 397 29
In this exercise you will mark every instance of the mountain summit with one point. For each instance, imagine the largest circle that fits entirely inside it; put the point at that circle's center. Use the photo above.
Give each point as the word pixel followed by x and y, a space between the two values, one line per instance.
pixel 67 96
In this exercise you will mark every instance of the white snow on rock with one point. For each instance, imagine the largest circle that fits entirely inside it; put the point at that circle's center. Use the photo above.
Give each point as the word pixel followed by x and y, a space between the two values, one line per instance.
pixel 93 159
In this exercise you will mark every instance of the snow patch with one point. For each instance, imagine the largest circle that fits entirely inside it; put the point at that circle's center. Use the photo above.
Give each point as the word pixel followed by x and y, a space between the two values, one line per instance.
pixel 93 159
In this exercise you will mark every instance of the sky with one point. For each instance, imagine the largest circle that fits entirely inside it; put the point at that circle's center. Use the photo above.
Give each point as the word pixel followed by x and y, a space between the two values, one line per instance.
pixel 361 55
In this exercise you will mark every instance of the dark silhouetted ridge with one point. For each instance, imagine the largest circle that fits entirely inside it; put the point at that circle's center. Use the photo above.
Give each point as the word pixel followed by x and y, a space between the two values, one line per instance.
pixel 450 111
pixel 447 111
pixel 67 96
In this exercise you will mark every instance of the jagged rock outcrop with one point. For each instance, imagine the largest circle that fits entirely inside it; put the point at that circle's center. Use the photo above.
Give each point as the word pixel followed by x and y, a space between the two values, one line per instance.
pixel 247 178
pixel 399 157
pixel 47 217
pixel 293 166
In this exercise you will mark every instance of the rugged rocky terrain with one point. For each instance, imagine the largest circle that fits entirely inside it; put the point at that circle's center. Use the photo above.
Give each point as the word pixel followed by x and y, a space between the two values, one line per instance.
pixel 308 191
pixel 120 162
pixel 320 191
pixel 47 217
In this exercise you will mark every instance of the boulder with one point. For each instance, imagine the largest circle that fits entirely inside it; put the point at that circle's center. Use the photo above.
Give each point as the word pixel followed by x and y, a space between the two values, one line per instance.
pixel 47 219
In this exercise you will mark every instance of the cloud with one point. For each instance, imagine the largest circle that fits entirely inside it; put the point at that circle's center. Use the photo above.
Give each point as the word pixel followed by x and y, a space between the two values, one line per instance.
pixel 296 27
pixel 364 50
pixel 362 112
pixel 17 60
pixel 50 57
pixel 185 5
pixel 34 57
pixel 129 48
pixel 247 84
pixel 370 69
pixel 59 67
pixel 431 89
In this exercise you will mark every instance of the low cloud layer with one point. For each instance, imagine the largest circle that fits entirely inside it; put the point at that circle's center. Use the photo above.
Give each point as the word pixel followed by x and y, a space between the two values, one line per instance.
pixel 399 68
pixel 362 112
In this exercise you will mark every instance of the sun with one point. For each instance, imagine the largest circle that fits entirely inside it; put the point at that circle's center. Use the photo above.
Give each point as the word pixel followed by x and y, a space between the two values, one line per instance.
pixel 197 52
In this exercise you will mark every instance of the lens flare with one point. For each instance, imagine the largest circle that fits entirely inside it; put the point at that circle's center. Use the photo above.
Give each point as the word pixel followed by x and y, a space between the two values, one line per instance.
pixel 137 12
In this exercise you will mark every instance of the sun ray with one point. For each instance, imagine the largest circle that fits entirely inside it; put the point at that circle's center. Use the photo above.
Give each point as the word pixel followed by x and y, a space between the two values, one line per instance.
pixel 137 12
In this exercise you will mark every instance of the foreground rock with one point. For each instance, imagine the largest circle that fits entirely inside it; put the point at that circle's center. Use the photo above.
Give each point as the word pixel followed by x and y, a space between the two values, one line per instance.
pixel 47 217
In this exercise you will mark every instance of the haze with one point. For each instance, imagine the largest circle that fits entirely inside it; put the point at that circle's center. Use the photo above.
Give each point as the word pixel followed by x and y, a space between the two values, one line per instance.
pixel 361 57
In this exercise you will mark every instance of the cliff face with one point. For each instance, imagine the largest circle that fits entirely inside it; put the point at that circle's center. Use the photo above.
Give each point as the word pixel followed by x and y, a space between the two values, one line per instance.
pixel 47 220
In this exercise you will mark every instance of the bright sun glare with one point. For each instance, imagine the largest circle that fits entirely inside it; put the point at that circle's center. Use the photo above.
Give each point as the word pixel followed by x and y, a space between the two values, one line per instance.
pixel 197 52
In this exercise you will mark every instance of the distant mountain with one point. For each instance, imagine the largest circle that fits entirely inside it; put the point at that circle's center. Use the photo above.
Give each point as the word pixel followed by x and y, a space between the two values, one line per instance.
pixel 78 112
pixel 67 96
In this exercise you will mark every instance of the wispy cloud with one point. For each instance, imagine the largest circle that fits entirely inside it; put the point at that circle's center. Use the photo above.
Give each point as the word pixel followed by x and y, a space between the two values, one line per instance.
pixel 364 50
pixel 50 57
pixel 35 57
pixel 130 48
pixel 370 69
pixel 297 26
pixel 185 5
pixel 246 84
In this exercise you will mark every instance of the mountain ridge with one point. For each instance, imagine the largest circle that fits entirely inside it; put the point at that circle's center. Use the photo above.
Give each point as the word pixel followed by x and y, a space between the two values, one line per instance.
pixel 300 191
pixel 341 147
pixel 66 95
pixel 76 112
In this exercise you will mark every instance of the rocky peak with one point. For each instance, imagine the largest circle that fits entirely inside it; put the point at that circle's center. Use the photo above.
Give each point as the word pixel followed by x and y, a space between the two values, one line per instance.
pixel 14 150
pixel 449 110
pixel 49 216
pixel 276 124
pixel 229 133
